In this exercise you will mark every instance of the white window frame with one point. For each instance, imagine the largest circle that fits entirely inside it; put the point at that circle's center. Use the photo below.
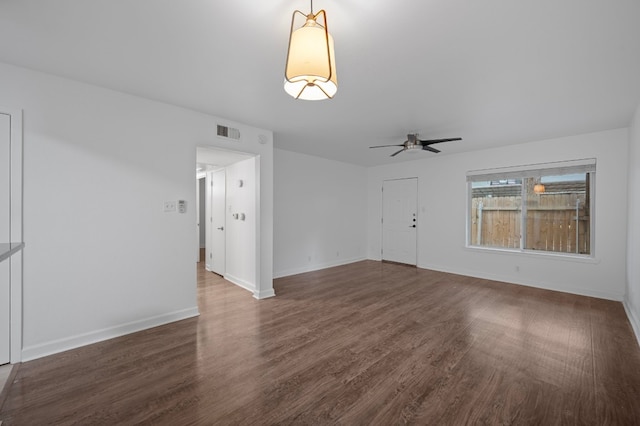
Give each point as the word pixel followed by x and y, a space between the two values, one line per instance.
pixel 587 165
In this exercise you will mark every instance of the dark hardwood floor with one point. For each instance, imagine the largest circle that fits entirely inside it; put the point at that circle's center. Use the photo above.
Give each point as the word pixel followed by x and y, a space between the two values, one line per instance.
pixel 366 343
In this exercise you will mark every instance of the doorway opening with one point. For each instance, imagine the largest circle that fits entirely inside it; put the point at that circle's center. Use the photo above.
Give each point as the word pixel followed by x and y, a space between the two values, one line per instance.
pixel 228 214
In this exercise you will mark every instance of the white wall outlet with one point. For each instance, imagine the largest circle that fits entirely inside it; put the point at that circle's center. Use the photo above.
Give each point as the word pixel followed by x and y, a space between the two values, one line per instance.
pixel 169 206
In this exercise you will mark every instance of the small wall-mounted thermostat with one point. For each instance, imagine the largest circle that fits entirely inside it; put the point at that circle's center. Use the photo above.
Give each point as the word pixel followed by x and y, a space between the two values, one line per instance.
pixel 182 206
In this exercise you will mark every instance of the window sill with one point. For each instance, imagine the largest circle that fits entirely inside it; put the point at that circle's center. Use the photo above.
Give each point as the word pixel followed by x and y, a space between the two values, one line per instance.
pixel 536 254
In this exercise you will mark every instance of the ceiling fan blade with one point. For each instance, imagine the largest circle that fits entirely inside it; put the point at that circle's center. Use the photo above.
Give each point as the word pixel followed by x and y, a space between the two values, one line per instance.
pixel 432 141
pixel 428 148
pixel 383 146
pixel 396 153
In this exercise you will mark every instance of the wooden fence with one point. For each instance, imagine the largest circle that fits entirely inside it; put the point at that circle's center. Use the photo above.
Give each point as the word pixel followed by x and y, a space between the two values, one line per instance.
pixel 554 222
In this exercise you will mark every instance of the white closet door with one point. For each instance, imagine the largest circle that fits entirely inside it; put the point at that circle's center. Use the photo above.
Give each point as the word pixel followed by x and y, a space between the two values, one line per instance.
pixel 218 222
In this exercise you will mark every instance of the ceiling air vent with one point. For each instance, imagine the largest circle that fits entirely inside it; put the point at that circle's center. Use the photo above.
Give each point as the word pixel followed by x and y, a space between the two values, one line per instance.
pixel 228 132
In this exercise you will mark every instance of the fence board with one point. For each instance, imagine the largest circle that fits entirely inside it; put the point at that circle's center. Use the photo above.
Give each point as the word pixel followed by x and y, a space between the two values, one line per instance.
pixel 550 225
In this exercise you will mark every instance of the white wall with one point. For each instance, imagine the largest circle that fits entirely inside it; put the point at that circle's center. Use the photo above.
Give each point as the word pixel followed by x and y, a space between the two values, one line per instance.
pixel 320 213
pixel 5 179
pixel 5 236
pixel 240 234
pixel 442 215
pixel 101 257
pixel 632 300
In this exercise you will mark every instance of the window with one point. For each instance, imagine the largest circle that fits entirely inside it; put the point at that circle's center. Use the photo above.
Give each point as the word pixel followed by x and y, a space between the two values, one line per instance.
pixel 537 208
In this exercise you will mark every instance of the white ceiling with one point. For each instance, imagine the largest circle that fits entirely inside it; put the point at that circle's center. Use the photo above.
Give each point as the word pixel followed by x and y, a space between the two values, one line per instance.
pixel 495 72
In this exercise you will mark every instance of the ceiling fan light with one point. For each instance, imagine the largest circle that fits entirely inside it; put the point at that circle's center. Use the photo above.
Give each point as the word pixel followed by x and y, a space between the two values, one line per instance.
pixel 310 72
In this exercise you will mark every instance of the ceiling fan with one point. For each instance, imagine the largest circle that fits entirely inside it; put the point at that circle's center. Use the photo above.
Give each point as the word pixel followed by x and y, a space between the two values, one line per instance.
pixel 413 142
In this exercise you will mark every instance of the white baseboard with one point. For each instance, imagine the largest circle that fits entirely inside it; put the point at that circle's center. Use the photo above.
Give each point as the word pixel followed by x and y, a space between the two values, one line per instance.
pixel 634 319
pixel 56 346
pixel 240 282
pixel 536 284
pixel 316 267
pixel 264 294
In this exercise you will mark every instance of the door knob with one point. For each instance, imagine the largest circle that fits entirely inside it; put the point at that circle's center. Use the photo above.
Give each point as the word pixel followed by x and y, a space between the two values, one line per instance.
pixel 221 228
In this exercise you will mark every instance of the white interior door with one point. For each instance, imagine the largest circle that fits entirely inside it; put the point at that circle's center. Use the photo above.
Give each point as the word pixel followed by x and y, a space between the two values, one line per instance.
pixel 400 220
pixel 5 236
pixel 206 222
pixel 198 201
pixel 217 256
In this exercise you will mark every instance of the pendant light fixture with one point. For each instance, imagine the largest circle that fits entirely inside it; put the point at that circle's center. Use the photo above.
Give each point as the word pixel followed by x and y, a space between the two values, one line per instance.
pixel 310 72
pixel 539 188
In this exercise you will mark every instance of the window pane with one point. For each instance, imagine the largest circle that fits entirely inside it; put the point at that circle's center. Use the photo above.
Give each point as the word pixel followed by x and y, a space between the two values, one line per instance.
pixel 496 213
pixel 557 213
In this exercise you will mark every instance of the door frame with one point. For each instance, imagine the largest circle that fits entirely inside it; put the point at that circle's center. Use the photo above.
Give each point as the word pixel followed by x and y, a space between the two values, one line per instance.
pixel 15 233
pixel 382 216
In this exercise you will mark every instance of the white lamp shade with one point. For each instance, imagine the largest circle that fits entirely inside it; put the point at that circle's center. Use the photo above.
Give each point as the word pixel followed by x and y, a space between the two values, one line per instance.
pixel 310 73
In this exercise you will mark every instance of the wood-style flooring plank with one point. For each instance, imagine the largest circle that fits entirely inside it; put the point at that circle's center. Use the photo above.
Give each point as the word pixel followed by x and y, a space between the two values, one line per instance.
pixel 365 343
